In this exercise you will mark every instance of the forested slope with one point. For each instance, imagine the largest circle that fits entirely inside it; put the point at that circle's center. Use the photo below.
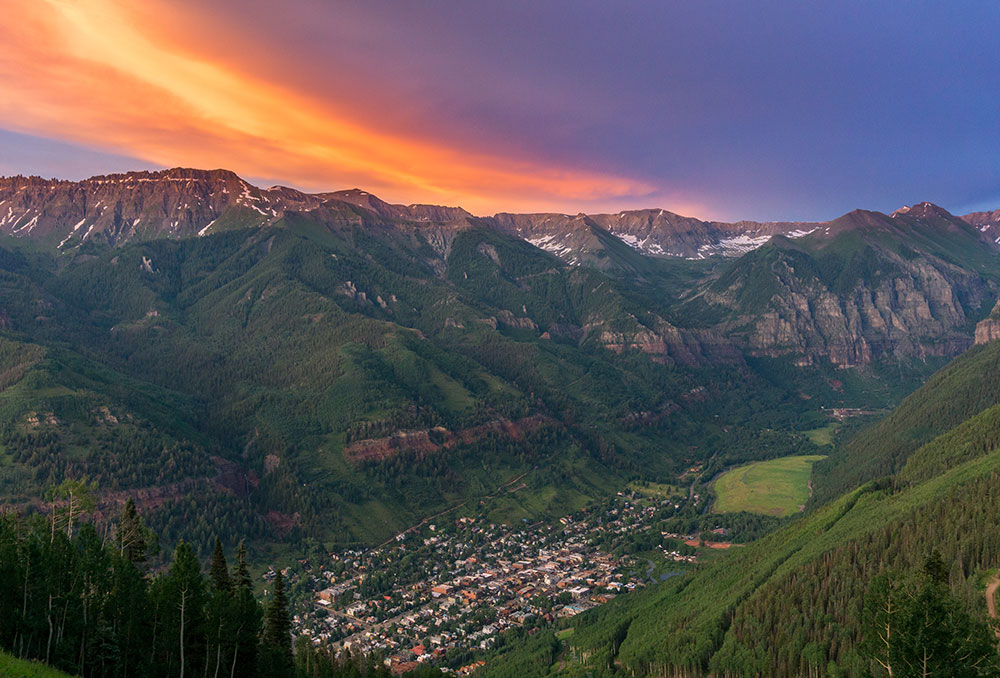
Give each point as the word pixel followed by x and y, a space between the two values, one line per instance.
pixel 344 380
pixel 279 365
pixel 951 396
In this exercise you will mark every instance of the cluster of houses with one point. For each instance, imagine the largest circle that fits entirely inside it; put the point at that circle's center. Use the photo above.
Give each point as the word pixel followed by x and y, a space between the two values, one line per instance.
pixel 478 598
pixel 473 580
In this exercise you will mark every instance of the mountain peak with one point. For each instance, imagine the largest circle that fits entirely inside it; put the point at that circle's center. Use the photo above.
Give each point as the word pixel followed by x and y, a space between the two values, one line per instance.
pixel 923 210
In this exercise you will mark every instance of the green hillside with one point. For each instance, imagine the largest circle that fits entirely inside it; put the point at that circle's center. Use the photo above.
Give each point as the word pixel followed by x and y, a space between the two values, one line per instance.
pixel 950 397
pixel 19 668
pixel 275 367
pixel 341 375
pixel 790 603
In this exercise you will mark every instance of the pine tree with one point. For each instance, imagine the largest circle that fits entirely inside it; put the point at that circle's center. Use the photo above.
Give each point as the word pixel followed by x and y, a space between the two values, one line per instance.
pixel 183 612
pixel 242 575
pixel 276 644
pixel 916 628
pixel 132 534
pixel 219 570
pixel 68 501
pixel 129 605
pixel 248 617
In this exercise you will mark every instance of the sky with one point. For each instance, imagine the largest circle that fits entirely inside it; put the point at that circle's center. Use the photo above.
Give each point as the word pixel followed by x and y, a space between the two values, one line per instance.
pixel 765 110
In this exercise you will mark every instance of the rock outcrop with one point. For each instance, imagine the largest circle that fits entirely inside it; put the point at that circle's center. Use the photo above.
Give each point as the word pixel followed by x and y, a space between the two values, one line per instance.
pixel 428 441
pixel 882 297
pixel 988 330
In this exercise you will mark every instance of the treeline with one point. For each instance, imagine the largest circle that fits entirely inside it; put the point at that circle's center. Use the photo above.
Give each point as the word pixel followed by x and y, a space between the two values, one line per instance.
pixel 86 602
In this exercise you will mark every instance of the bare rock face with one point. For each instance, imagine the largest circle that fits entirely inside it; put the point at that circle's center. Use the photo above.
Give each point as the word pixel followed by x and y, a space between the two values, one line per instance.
pixel 121 207
pixel 882 298
pixel 665 343
pixel 989 329
pixel 421 443
pixel 174 203
pixel 917 314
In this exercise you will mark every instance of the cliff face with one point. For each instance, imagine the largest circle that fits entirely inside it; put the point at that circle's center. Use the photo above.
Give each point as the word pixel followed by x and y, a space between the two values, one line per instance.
pixel 857 298
pixel 174 203
pixel 915 314
pixel 669 345
pixel 122 207
pixel 988 330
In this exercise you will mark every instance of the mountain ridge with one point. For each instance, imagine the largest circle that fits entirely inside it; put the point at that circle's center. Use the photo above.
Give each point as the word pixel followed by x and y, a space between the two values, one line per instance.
pixel 184 202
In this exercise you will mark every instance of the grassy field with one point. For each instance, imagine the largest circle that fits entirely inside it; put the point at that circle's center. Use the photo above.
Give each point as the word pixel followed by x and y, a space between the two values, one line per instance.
pixel 657 490
pixel 823 436
pixel 18 668
pixel 778 487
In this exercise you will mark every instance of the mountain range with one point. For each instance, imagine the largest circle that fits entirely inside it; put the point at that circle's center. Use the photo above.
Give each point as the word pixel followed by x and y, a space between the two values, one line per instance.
pixel 179 203
pixel 930 275
pixel 278 364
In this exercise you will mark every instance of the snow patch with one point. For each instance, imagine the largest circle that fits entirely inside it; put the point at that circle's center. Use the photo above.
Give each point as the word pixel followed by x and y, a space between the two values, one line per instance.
pixel 733 247
pixel 645 246
pixel 797 233
pixel 76 228
pixel 208 226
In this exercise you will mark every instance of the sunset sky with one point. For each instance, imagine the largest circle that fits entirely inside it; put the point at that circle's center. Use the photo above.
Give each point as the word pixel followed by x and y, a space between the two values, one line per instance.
pixel 728 110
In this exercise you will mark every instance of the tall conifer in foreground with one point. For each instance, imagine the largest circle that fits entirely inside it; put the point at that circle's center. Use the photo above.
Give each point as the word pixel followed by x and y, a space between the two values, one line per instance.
pixel 276 647
pixel 914 627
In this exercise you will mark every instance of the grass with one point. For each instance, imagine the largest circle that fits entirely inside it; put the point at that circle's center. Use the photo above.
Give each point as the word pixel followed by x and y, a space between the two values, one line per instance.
pixel 19 668
pixel 822 436
pixel 778 487
pixel 656 490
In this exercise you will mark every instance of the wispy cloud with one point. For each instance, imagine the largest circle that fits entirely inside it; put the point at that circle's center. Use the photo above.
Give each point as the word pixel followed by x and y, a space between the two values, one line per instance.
pixel 90 72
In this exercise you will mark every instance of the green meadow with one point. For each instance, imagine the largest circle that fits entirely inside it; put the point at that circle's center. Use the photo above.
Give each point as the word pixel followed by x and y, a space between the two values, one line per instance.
pixel 778 487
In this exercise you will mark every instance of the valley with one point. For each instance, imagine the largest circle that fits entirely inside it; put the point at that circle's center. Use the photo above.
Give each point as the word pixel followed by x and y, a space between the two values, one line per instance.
pixel 558 339
pixel 335 340
pixel 457 436
pixel 447 590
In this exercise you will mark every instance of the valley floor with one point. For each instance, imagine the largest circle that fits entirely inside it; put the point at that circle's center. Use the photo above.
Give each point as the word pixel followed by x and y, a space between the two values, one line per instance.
pixel 440 593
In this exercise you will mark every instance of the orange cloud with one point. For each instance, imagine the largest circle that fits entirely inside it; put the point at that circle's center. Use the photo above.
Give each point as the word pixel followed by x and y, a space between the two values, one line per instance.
pixel 87 71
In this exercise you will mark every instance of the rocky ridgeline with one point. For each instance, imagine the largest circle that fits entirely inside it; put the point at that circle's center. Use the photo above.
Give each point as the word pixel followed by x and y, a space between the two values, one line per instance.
pixel 905 299
pixel 175 203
